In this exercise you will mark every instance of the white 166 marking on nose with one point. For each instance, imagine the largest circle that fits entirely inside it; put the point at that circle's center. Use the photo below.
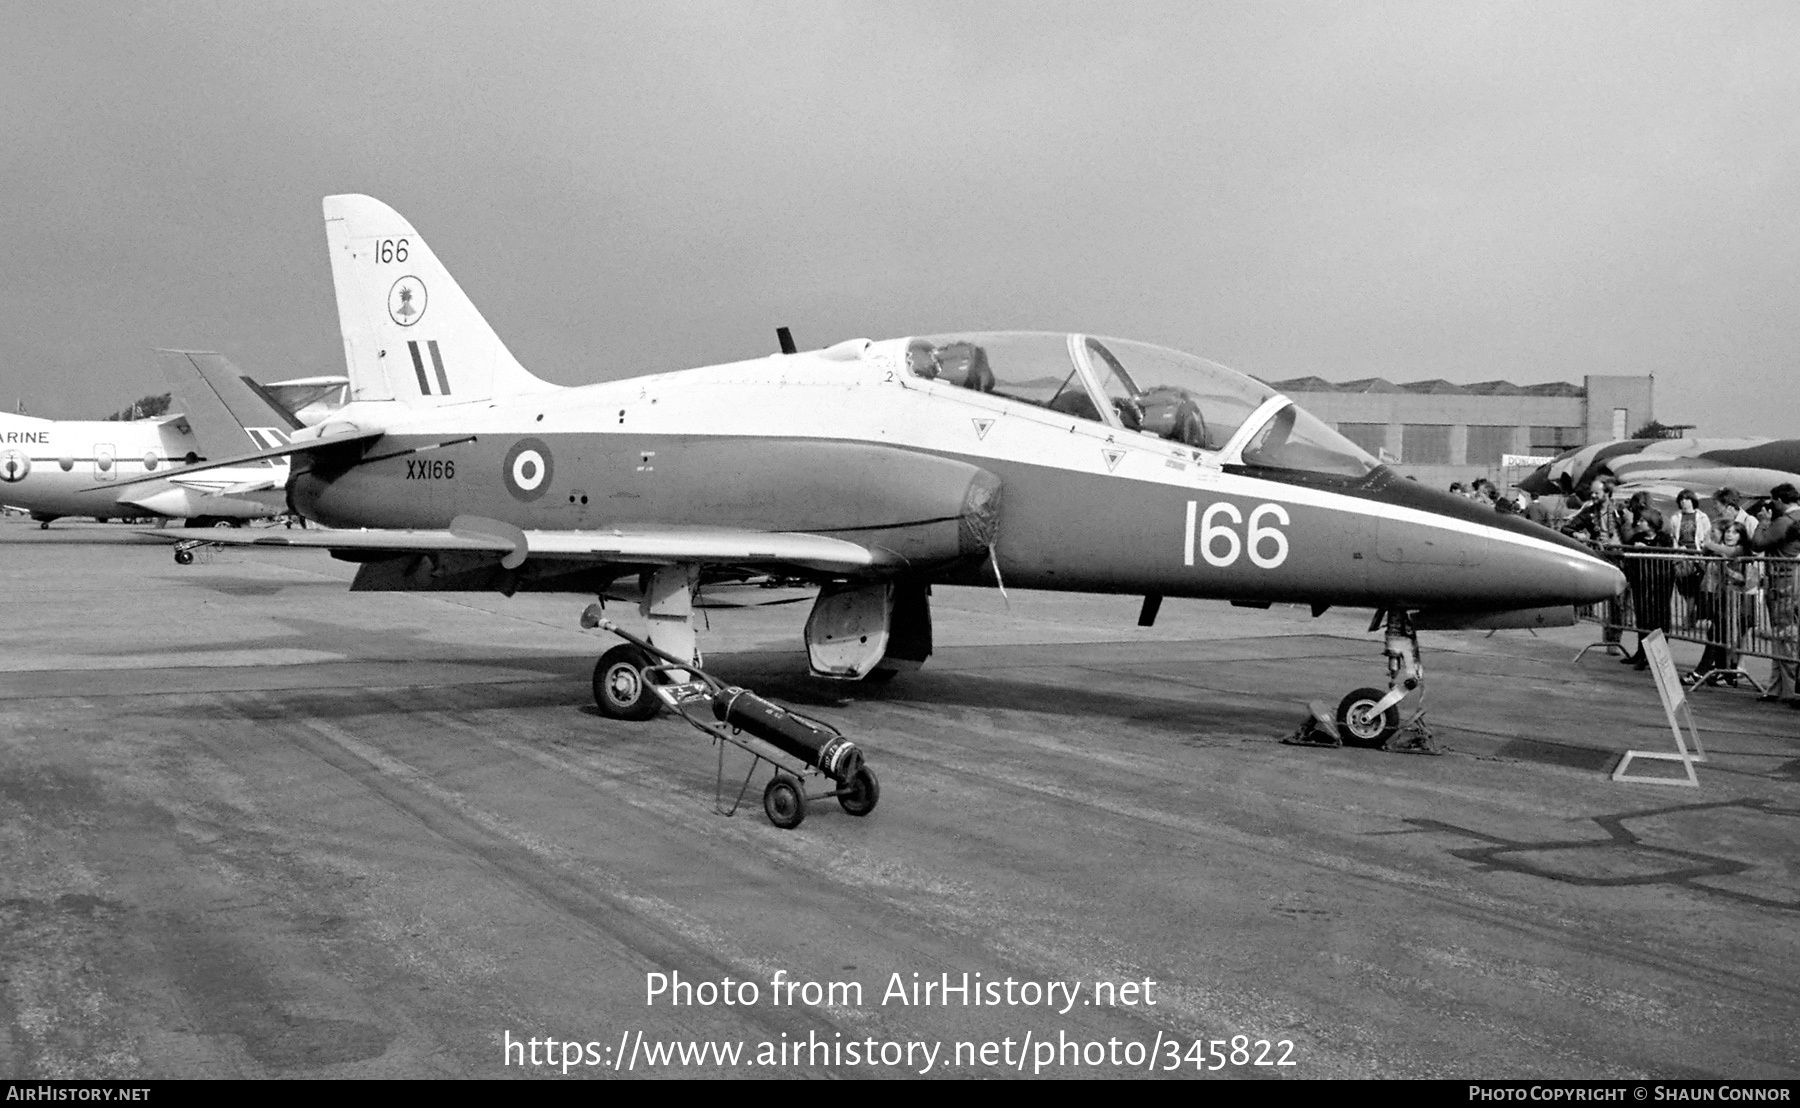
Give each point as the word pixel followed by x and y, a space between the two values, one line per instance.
pixel 1256 538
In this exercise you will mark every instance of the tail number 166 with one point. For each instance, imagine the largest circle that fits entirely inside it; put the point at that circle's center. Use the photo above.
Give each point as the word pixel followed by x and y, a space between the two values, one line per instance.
pixel 1219 542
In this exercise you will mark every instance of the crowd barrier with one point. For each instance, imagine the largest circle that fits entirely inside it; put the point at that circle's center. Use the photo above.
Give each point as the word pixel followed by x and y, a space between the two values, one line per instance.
pixel 1745 607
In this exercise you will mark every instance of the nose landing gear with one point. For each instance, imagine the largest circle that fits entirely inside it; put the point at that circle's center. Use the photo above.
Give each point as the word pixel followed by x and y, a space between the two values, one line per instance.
pixel 666 600
pixel 1369 717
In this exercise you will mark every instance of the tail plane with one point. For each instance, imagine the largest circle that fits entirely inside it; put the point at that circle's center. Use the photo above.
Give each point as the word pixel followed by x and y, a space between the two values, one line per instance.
pixel 228 412
pixel 411 335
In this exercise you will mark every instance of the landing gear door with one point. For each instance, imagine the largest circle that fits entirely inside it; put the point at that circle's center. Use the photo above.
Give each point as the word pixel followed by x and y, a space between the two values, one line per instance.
pixel 106 462
pixel 847 633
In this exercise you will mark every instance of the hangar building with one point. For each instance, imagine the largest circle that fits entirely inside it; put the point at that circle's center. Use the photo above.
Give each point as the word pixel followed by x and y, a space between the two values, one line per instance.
pixel 1441 432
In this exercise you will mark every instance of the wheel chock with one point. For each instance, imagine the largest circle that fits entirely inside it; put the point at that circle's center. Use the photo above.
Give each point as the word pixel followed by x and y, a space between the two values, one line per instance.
pixel 1412 738
pixel 1318 730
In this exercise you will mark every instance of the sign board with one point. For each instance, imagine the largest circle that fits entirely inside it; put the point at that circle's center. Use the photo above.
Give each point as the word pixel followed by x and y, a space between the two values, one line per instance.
pixel 1533 460
pixel 1675 708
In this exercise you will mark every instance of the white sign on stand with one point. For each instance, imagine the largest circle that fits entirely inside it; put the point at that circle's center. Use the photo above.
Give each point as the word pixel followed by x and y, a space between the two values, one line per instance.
pixel 1675 707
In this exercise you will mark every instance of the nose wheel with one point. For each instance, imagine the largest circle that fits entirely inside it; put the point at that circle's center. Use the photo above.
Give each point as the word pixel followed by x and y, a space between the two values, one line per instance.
pixel 1363 722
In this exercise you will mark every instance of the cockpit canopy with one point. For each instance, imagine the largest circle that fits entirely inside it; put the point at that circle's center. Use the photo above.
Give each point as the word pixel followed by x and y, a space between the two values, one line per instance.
pixel 1134 386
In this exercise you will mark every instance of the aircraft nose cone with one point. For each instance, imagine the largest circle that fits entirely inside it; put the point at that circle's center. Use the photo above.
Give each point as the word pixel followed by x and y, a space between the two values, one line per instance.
pixel 1591 580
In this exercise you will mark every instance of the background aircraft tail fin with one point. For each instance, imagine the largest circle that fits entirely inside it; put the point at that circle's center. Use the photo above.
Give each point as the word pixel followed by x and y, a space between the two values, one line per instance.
pixel 228 412
pixel 410 333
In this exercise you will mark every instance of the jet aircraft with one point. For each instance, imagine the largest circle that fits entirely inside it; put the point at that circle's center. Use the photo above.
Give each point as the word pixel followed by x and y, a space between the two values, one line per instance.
pixel 877 469
pixel 49 467
pixel 1663 467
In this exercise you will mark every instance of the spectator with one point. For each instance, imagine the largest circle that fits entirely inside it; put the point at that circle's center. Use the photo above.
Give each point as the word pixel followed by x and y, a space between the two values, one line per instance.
pixel 1689 529
pixel 1537 509
pixel 1645 530
pixel 1778 536
pixel 1718 604
pixel 1731 504
pixel 1456 488
pixel 1600 520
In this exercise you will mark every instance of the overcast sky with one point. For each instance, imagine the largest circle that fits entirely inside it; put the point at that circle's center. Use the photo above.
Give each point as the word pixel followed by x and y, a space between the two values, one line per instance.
pixel 1445 189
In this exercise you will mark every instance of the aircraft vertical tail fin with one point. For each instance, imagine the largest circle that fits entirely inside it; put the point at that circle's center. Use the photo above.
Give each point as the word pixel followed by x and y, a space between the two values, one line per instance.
pixel 228 412
pixel 410 333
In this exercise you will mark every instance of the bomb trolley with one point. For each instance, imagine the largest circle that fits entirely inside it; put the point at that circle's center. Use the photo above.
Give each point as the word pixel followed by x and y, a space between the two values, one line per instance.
pixel 798 747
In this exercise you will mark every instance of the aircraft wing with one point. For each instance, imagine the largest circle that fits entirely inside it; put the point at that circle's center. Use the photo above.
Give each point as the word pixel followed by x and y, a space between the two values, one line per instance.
pixel 648 545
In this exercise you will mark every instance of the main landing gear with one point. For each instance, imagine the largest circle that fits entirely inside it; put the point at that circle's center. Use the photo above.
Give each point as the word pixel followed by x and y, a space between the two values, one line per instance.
pixel 796 746
pixel 1369 717
pixel 666 601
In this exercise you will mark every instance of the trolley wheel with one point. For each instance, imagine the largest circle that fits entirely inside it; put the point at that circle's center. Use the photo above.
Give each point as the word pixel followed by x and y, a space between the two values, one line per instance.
pixel 1358 727
pixel 783 802
pixel 861 793
pixel 184 557
pixel 620 690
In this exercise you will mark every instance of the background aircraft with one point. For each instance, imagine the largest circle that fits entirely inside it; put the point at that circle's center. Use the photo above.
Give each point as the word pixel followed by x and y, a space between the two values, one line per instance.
pixel 50 467
pixel 1051 461
pixel 1663 467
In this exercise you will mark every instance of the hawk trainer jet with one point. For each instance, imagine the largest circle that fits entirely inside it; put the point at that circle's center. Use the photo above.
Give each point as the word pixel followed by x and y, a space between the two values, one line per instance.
pixel 877 469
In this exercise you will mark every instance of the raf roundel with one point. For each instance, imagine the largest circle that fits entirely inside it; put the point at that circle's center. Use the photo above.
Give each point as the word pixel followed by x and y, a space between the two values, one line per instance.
pixel 527 469
pixel 14 465
pixel 406 301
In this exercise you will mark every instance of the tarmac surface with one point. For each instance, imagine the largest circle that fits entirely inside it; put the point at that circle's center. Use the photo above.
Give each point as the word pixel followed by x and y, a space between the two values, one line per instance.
pixel 252 824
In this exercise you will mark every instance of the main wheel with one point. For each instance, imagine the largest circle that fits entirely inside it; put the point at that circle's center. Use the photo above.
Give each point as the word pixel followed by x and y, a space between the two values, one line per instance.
pixel 620 690
pixel 860 795
pixel 227 523
pixel 1360 726
pixel 783 802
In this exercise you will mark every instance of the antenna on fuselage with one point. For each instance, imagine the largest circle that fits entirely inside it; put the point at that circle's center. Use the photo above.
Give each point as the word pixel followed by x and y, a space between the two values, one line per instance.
pixel 994 561
pixel 786 338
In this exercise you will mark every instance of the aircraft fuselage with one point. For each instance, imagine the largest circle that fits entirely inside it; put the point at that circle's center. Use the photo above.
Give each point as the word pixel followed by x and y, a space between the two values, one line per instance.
pixel 857 448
